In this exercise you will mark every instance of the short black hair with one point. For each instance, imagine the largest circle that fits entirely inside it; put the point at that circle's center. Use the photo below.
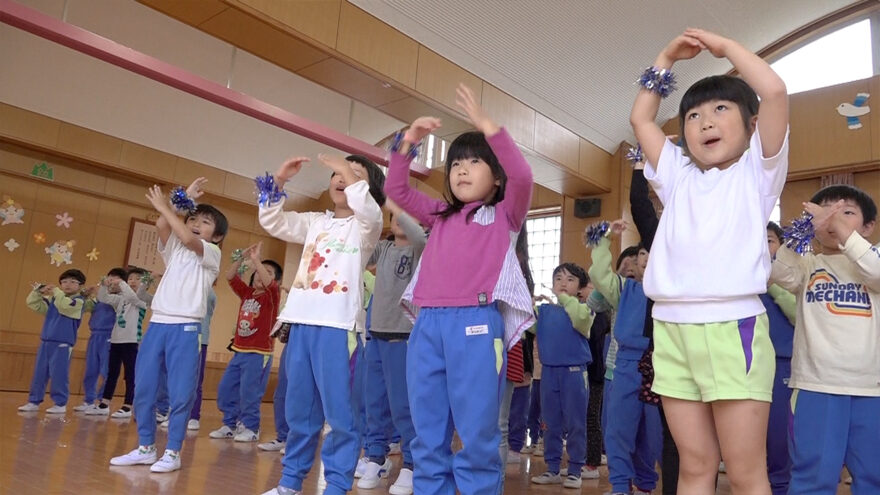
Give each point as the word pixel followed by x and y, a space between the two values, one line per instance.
pixel 627 253
pixel 837 192
pixel 273 264
pixel 221 225
pixel 375 177
pixel 136 270
pixel 74 274
pixel 471 145
pixel 575 270
pixel 776 229
pixel 719 88
pixel 118 272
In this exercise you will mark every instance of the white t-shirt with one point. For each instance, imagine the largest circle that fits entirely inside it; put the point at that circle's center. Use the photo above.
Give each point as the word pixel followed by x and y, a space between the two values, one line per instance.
pixel 709 260
pixel 182 295
pixel 328 287
pixel 837 334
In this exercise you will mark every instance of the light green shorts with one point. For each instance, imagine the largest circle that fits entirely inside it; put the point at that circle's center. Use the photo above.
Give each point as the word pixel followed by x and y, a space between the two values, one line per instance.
pixel 706 362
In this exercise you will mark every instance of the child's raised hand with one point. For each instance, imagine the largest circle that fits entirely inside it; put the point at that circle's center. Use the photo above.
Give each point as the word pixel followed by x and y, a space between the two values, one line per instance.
pixel 157 198
pixel 466 101
pixel 290 168
pixel 420 128
pixel 618 226
pixel 254 252
pixel 717 45
pixel 336 163
pixel 829 220
pixel 195 191
pixel 47 290
pixel 683 47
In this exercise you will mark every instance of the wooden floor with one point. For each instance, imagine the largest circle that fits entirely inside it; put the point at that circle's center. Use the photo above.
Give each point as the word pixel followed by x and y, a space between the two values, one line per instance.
pixel 70 455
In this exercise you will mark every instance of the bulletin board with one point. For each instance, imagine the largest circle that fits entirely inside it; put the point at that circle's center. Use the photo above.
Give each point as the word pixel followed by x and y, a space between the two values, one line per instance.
pixel 142 249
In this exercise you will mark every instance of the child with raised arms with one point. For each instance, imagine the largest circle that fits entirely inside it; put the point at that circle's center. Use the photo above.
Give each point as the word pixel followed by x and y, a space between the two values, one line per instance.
pixel 472 298
pixel 713 359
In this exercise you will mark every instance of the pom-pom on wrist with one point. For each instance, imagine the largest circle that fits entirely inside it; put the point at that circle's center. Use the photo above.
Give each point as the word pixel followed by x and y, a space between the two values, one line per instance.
pixel 657 80
pixel 397 143
pixel 635 155
pixel 181 202
pixel 596 232
pixel 268 191
pixel 799 235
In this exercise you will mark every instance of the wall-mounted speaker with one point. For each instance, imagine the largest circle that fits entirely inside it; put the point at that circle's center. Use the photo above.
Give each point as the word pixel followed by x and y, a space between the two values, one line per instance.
pixel 587 207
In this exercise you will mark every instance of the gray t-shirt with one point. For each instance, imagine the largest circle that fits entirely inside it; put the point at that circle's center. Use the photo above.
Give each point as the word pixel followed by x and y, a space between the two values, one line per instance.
pixel 395 266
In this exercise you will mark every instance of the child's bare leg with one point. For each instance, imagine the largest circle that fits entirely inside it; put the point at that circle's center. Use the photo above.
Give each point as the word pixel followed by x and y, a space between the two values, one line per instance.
pixel 742 434
pixel 693 428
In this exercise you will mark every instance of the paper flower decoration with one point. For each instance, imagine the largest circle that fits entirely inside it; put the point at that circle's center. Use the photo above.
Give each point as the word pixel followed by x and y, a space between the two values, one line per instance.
pixel 64 220
pixel 93 254
pixel 10 212
pixel 11 245
pixel 40 238
pixel 60 252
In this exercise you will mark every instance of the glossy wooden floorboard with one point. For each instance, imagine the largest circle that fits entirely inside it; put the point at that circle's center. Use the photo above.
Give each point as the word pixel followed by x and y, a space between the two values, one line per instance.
pixel 41 454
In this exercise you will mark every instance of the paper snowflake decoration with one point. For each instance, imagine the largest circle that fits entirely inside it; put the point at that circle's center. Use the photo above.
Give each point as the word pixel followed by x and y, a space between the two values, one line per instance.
pixel 64 220
pixel 93 254
pixel 10 212
pixel 11 245
pixel 40 238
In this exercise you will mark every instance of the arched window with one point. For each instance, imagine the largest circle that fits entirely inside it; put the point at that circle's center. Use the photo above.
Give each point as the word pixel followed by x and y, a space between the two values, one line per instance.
pixel 840 56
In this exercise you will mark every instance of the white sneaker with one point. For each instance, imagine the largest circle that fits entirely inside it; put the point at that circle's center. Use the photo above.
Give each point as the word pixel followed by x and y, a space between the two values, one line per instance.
pixel 247 435
pixel 572 481
pixel 193 424
pixel 83 407
pixel 56 409
pixel 140 455
pixel 29 407
pixel 164 425
pixel 121 414
pixel 394 448
pixel 273 446
pixel 361 467
pixel 169 462
pixel 283 450
pixel 325 430
pixel 636 491
pixel 160 418
pixel 547 478
pixel 513 457
pixel 847 480
pixel 372 473
pixel 604 460
pixel 539 449
pixel 98 411
pixel 404 484
pixel 280 490
pixel 222 432
pixel 528 449
pixel 589 474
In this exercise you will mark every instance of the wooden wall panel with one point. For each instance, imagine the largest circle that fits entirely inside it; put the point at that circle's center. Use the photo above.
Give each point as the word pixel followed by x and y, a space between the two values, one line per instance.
pixel 820 139
pixel 255 36
pixel 511 113
pixel 437 78
pixel 411 108
pixel 793 196
pixel 316 19
pixel 377 45
pixel 187 171
pixel 136 158
pixel 28 126
pixel 193 12
pixel 344 78
pixel 86 143
pixel 594 163
pixel 556 142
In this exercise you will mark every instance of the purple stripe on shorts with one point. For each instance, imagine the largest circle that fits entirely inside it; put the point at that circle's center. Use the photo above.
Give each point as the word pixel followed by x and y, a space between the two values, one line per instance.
pixel 746 336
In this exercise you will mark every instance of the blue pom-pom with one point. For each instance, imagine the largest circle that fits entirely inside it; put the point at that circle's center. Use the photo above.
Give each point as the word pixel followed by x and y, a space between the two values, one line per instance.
pixel 596 232
pixel 397 143
pixel 181 201
pixel 656 80
pixel 268 192
pixel 799 236
pixel 635 155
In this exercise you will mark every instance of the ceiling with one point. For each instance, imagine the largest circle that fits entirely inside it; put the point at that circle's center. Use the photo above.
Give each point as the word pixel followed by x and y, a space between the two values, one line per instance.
pixel 575 60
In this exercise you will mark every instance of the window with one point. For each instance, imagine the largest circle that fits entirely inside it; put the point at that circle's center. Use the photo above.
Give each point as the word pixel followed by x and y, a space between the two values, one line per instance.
pixel 776 215
pixel 545 234
pixel 841 56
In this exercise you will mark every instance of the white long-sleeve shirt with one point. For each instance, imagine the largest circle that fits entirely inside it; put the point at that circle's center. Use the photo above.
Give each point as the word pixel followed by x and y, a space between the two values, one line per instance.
pixel 837 334
pixel 130 310
pixel 328 288
pixel 709 260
